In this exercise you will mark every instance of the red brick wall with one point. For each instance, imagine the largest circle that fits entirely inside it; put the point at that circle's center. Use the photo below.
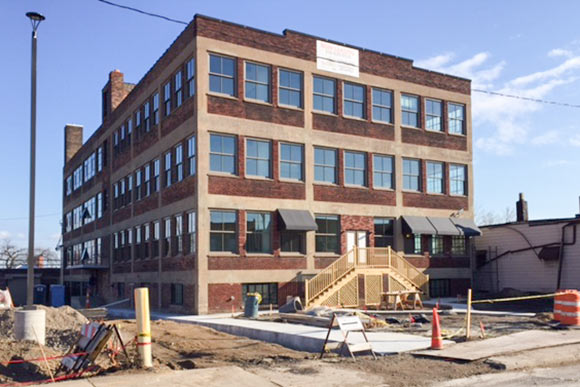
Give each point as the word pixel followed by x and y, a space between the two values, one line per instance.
pixel 219 297
pixel 256 263
pixel 330 193
pixel 434 139
pixel 423 200
pixel 221 185
pixel 425 262
pixel 293 288
pixel 178 191
pixel 178 116
pixel 351 126
pixel 356 223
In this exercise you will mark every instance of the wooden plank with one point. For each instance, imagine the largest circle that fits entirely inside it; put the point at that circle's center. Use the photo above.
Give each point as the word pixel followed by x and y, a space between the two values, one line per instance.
pixel 360 347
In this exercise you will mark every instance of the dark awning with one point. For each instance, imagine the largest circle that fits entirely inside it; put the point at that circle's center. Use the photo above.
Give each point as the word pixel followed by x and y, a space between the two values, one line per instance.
pixel 444 226
pixel 417 225
pixel 297 220
pixel 466 226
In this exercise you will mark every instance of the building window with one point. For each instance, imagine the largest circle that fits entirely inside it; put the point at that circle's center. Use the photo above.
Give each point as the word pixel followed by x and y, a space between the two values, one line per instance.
pixel 100 158
pixel 78 178
pixel 191 231
pixel 138 191
pixel 146 238
pixel 168 169
pixel 178 89
pixel 327 234
pixel 410 110
pixel 191 155
pixel 138 252
pixel 156 172
pixel 293 242
pixel 179 162
pixel 69 185
pixel 147 182
pixel 458 245
pixel 324 94
pixel 382 171
pixel 290 88
pixel 100 205
pixel 436 244
pixel 156 236
pixel 382 105
pixel 354 100
pixel 176 294
pixel 433 115
pixel 129 195
pixel 258 232
pixel 413 244
pixel 129 129
pixel 355 168
pixel 167 237
pixel 167 98
pixel 384 231
pixel 222 75
pixel 434 177
pixel 439 288
pixel 457 179
pixel 89 167
pixel 222 154
pixel 291 161
pixel 137 121
pixel 258 158
pixel 268 291
pixel 456 116
pixel 191 77
pixel 223 231
pixel 325 165
pixel 411 175
pixel 257 82
pixel 146 118
pixel 156 109
pixel 179 233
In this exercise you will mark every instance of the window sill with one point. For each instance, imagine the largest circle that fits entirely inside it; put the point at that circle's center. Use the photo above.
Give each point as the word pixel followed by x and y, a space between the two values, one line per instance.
pixel 291 181
pixel 323 113
pixel 435 131
pixel 356 186
pixel 410 127
pixel 460 135
pixel 383 189
pixel 326 255
pixel 435 194
pixel 382 123
pixel 223 254
pixel 259 178
pixel 259 255
pixel 458 195
pixel 412 191
pixel 325 184
pixel 290 107
pixel 288 254
pixel 222 174
pixel 220 95
pixel 354 118
pixel 258 102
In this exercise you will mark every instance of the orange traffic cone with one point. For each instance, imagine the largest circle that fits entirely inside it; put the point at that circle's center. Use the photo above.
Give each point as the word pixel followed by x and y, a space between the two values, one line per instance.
pixel 436 339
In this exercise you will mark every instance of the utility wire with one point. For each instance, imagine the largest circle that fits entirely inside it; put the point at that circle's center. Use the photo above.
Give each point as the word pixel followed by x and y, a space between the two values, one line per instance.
pixel 525 98
pixel 143 12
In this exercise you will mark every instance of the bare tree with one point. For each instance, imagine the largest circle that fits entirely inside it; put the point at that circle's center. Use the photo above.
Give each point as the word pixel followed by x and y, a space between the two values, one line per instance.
pixel 10 255
pixel 486 218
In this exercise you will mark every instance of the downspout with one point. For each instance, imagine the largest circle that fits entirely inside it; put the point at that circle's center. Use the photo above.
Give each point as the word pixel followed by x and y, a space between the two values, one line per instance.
pixel 562 244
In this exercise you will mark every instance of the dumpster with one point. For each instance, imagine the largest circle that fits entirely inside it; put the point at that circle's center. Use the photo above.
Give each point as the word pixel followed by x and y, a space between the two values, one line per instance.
pixel 251 305
pixel 56 295
pixel 40 294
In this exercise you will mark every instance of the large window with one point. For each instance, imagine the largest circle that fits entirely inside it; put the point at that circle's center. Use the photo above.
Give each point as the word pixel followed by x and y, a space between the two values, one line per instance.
pixel 168 178
pixel 293 242
pixel 191 155
pixel 167 98
pixel 146 116
pixel 382 171
pixel 222 157
pixel 433 115
pixel 179 234
pixel 413 244
pixel 222 74
pixel 138 190
pixel 434 177
pixel 147 180
pixel 456 116
pixel 176 294
pixel 178 89
pixel 384 231
pixel 327 236
pixel 223 231
pixel 258 158
pixel 268 291
pixel 325 165
pixel 290 88
pixel 291 161
pixel 411 175
pixel 258 229
pixel 156 109
pixel 439 288
pixel 78 178
pixel 457 179
pixel 410 110
pixel 191 77
pixel 191 231
pixel 382 105
pixel 156 172
pixel 167 237
pixel 458 245
pixel 355 168
pixel 90 167
pixel 436 245
pixel 324 94
pixel 354 100
pixel 179 162
pixel 257 82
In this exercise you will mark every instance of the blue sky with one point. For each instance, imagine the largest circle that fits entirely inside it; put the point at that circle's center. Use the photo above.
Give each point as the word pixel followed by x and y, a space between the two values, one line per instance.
pixel 525 48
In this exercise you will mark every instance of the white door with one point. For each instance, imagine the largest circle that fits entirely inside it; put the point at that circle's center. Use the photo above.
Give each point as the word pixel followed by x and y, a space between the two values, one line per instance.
pixel 357 239
pixel 350 244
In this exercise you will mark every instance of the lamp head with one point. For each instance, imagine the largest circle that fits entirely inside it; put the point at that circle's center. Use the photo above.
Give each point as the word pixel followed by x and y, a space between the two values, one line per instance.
pixel 35 19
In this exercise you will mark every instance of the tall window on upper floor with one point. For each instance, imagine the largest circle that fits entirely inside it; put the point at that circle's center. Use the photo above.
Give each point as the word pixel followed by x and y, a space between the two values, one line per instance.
pixel 384 232
pixel 259 233
pixel 437 244
pixel 258 158
pixel 146 116
pixel 290 88
pixel 458 245
pixel 168 178
pixel 222 75
pixel 147 180
pixel 129 129
pixel 167 98
pixel 179 234
pixel 179 162
pixel 324 94
pixel 325 165
pixel 138 190
pixel 167 236
pixel 69 185
pixel 178 89
pixel 411 175
pixel 191 155
pixel 100 158
pixel 138 121
pixel 190 73
pixel 456 117
pixel 382 171
pixel 156 172
pixel 291 161
pixel 355 168
pixel 354 100
pixel 458 179
pixel 327 234
pixel 78 178
pixel 382 105
pixel 410 110
pixel 257 83
pixel 222 153
pixel 223 236
pixel 433 113
pixel 191 231
pixel 156 109
pixel 435 177
pixel 89 167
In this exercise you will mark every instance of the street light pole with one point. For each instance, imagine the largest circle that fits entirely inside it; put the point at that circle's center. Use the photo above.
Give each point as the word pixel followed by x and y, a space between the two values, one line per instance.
pixel 35 19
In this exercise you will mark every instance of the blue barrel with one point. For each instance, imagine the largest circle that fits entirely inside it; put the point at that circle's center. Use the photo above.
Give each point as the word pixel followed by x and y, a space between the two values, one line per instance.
pixel 251 305
pixel 56 295
pixel 40 296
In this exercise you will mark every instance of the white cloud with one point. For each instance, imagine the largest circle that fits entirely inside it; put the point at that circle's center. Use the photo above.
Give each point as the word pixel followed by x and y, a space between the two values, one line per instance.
pixel 556 163
pixel 569 65
pixel 434 62
pixel 5 234
pixel 549 137
pixel 575 141
pixel 556 52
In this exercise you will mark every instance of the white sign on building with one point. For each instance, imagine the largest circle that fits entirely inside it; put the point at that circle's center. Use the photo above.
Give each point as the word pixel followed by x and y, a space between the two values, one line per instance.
pixel 336 59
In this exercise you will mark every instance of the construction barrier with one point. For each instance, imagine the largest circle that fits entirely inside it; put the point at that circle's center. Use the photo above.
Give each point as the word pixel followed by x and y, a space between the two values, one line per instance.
pixel 567 307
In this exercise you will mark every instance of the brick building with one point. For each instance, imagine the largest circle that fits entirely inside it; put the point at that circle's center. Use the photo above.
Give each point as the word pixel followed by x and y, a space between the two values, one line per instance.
pixel 248 161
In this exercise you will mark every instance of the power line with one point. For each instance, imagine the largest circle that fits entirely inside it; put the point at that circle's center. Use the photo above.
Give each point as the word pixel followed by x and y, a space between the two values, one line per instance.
pixel 143 12
pixel 525 98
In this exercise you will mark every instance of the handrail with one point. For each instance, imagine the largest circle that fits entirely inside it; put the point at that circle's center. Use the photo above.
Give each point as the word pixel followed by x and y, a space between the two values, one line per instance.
pixel 330 275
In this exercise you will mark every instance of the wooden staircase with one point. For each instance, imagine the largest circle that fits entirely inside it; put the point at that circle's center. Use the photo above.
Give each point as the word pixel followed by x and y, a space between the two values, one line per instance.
pixel 338 285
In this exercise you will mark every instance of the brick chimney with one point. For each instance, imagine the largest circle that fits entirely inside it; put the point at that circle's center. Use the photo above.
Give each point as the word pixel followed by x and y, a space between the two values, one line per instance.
pixel 114 92
pixel 40 262
pixel 73 140
pixel 521 209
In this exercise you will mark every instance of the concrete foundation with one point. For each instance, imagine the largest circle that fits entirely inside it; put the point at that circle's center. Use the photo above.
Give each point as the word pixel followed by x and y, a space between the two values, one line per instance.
pixel 30 325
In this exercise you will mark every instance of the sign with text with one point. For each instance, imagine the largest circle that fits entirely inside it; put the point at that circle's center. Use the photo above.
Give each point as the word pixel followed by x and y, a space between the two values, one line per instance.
pixel 336 59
